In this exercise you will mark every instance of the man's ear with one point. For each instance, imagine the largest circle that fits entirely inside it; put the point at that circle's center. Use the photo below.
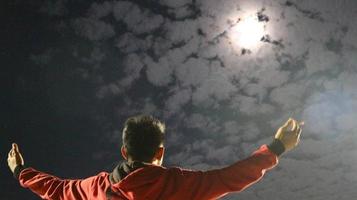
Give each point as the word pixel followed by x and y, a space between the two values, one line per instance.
pixel 159 153
pixel 124 152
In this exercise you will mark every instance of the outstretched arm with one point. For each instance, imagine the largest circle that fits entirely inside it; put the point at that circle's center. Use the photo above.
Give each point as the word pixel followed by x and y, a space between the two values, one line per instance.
pixel 51 187
pixel 234 178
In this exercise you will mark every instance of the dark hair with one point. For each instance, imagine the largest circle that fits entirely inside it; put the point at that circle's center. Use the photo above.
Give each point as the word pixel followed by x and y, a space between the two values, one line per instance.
pixel 142 136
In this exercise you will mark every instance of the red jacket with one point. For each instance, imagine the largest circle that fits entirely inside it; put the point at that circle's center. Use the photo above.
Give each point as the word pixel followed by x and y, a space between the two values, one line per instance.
pixel 154 182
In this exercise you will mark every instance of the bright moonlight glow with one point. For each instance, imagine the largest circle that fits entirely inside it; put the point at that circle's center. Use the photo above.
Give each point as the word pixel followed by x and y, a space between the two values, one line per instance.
pixel 248 32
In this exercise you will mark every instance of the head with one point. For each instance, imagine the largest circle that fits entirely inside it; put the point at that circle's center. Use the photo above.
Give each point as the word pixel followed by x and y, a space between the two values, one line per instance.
pixel 143 139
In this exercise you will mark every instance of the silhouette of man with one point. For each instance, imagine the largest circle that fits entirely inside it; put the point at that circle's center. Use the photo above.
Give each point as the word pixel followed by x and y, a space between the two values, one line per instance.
pixel 141 176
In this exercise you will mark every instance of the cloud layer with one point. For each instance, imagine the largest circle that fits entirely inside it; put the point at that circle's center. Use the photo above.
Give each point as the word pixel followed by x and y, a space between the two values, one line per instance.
pixel 176 60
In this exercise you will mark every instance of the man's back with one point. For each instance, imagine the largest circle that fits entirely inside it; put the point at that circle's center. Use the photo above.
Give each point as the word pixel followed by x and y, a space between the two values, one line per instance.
pixel 152 182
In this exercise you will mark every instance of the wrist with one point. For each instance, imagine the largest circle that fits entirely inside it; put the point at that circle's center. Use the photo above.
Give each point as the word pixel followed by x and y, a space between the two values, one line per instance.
pixel 17 170
pixel 277 147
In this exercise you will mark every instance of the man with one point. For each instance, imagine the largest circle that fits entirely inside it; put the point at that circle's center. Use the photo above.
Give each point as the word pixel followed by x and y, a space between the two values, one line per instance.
pixel 141 176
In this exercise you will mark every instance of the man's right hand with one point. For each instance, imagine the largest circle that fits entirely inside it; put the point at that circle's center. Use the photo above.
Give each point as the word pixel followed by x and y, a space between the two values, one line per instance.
pixel 289 134
pixel 14 158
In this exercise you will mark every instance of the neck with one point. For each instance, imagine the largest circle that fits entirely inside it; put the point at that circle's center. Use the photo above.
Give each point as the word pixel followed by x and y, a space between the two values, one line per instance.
pixel 153 162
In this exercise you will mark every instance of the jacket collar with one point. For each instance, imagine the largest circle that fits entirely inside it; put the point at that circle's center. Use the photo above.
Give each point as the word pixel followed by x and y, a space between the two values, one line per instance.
pixel 123 169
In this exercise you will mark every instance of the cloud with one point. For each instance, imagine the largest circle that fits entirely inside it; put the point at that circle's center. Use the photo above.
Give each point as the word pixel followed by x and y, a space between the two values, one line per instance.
pixel 175 3
pixel 95 56
pixel 137 19
pixel 193 72
pixel 108 90
pixel 202 122
pixel 289 96
pixel 122 8
pixel 250 106
pixel 133 65
pixel 181 31
pixel 129 43
pixel 177 60
pixel 216 87
pixel 93 29
pixel 334 110
pixel 177 100
pixel 159 73
pixel 98 10
pixel 319 59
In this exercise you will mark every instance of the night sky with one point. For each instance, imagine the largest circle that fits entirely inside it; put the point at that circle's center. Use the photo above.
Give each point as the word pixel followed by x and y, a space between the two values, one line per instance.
pixel 73 71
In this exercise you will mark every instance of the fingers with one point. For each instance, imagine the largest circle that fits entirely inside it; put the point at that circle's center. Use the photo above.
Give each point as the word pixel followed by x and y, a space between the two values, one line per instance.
pixel 10 153
pixel 295 125
pixel 298 131
pixel 10 156
pixel 299 128
pixel 14 150
pixel 298 136
pixel 291 123
pixel 15 147
pixel 287 123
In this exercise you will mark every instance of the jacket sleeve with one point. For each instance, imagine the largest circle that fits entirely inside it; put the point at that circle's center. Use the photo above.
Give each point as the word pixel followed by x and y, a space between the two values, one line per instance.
pixel 53 188
pixel 234 178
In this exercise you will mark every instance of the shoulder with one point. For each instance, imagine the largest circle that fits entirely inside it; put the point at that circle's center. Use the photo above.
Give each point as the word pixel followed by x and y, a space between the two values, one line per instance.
pixel 98 182
pixel 182 171
pixel 100 178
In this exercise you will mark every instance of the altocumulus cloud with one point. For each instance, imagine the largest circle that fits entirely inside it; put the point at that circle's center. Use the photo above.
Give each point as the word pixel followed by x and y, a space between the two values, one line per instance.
pixel 175 59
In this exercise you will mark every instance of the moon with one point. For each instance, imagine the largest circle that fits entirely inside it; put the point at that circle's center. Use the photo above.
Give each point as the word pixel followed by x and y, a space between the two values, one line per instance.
pixel 248 32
